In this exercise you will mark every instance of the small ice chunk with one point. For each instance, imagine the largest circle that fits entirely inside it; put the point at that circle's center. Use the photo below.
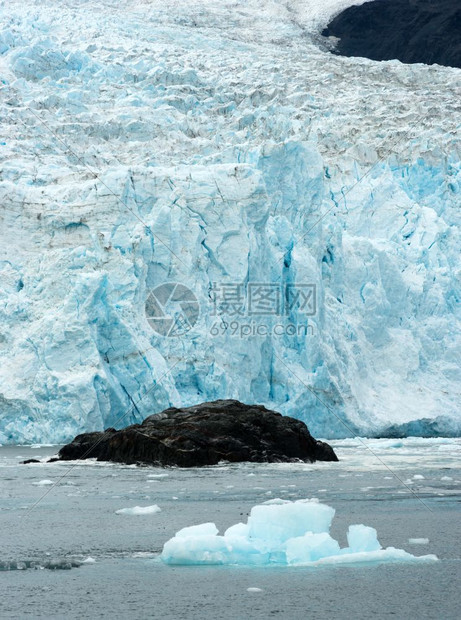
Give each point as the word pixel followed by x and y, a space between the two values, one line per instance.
pixel 157 475
pixel 239 529
pixel 311 547
pixel 244 551
pixel 139 510
pixel 276 501
pixel 255 590
pixel 199 549
pixel 362 538
pixel 204 529
pixel 382 556
pixel 280 522
pixel 418 477
pixel 446 478
pixel 89 560
pixel 43 483
pixel 418 541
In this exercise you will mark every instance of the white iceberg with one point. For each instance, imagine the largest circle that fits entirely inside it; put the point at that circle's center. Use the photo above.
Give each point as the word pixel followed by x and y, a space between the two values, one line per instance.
pixel 139 510
pixel 282 533
pixel 418 541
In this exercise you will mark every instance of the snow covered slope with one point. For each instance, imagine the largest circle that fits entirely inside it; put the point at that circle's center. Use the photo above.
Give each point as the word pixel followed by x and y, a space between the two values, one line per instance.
pixel 229 147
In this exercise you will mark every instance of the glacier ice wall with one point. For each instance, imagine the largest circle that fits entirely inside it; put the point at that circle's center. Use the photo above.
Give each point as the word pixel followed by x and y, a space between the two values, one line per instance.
pixel 146 143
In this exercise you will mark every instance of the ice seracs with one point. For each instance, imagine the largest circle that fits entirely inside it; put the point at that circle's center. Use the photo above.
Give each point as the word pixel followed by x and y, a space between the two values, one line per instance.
pixel 225 145
pixel 281 532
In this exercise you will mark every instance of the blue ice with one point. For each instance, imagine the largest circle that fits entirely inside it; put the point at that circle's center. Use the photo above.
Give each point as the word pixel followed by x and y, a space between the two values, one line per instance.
pixel 285 533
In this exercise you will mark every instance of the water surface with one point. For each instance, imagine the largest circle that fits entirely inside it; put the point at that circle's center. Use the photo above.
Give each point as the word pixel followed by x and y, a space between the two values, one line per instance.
pixel 76 520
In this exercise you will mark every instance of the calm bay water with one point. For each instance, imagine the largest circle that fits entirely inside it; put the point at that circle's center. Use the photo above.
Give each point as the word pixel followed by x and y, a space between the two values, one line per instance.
pixel 76 520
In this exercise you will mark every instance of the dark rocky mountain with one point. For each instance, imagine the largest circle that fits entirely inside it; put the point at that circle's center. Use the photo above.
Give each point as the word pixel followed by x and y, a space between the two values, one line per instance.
pixel 425 31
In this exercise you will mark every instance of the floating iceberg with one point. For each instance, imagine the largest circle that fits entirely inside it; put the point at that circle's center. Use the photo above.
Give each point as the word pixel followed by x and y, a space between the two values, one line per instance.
pixel 418 541
pixel 280 532
pixel 139 510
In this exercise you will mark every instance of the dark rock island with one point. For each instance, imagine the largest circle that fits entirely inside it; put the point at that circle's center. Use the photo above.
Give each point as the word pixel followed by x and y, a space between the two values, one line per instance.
pixel 205 434
pixel 426 31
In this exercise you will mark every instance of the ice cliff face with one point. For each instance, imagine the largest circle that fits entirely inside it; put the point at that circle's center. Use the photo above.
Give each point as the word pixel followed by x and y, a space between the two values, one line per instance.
pixel 228 148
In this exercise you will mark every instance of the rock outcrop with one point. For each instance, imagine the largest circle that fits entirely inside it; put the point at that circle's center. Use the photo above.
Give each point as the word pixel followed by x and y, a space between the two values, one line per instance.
pixel 411 31
pixel 205 434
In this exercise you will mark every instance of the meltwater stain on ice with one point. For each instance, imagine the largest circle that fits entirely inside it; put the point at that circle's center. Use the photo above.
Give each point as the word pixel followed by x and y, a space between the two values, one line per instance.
pixel 284 533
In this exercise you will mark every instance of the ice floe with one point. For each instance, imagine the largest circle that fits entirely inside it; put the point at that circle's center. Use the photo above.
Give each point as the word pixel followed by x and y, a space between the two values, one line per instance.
pixel 281 532
pixel 139 510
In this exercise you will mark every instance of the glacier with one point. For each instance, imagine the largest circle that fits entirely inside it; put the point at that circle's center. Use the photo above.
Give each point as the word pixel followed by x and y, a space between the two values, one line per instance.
pixel 284 533
pixel 214 142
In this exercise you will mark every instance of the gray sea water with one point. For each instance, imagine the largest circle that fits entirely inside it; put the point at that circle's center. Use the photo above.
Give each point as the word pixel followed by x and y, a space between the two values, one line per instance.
pixel 76 520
